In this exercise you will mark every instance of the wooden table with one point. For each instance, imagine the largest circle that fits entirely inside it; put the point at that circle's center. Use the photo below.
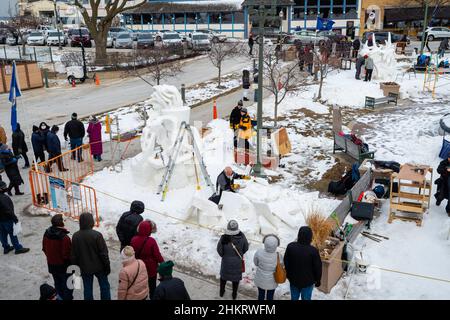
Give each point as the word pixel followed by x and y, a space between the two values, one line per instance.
pixel 414 193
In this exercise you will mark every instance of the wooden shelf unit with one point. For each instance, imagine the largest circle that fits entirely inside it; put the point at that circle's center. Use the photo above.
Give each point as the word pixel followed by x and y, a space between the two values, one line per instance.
pixel 413 196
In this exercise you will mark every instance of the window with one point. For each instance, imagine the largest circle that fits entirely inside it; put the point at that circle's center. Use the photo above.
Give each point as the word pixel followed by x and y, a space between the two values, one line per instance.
pixel 190 18
pixel 227 17
pixel 239 17
pixel 299 13
pixel 157 19
pixel 214 18
pixel 202 18
pixel 147 18
pixel 179 18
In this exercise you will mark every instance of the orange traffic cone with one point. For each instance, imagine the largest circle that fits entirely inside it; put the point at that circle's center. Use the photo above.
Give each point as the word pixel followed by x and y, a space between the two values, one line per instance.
pixel 73 83
pixel 97 80
pixel 214 110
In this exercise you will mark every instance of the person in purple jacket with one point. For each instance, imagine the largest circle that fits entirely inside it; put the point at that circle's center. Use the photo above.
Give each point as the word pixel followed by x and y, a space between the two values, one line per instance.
pixel 95 138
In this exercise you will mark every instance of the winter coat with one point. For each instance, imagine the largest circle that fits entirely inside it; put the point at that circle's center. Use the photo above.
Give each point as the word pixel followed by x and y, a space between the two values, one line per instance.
pixel 126 228
pixel 235 118
pixel 170 288
pixel 89 250
pixel 245 127
pixel 3 137
pixel 360 62
pixel 7 209
pixel 356 44
pixel 53 143
pixel 74 129
pixel 444 44
pixel 44 133
pixel 231 265
pixel 56 245
pixel 442 191
pixel 246 79
pixel 224 183
pixel 133 281
pixel 369 63
pixel 38 141
pixel 302 261
pixel 265 261
pixel 95 138
pixel 146 248
pixel 9 161
pixel 19 145
pixel 251 42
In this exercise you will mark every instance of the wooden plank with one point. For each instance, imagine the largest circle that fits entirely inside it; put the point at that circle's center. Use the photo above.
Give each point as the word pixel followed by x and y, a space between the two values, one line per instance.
pixel 410 195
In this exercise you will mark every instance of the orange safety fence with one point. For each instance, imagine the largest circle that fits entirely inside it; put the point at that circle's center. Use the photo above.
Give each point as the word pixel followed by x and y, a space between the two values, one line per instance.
pixel 67 165
pixel 62 195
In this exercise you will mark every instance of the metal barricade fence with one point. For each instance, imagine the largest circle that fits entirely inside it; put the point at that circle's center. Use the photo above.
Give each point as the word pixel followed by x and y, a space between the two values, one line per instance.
pixel 67 165
pixel 63 196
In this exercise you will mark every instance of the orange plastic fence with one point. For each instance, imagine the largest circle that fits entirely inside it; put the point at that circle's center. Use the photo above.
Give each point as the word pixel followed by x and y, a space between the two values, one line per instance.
pixel 67 167
pixel 63 196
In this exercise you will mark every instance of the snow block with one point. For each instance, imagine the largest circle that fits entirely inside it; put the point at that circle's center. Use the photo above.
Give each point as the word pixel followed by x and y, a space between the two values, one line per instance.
pixel 264 210
pixel 204 212
pixel 266 227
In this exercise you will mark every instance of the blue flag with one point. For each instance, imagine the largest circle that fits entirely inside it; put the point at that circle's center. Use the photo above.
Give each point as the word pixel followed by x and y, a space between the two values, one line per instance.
pixel 14 93
pixel 324 24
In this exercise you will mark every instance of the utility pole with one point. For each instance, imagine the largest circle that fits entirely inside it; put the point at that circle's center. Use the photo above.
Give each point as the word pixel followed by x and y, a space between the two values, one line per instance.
pixel 259 14
pixel 425 23
pixel 57 25
pixel 83 53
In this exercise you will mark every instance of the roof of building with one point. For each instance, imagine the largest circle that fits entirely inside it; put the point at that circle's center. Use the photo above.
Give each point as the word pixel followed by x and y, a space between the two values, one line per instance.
pixel 188 6
pixel 413 13
pixel 268 2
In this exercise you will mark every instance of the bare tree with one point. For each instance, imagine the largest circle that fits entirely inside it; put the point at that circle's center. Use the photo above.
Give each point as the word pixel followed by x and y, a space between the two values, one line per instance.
pixel 322 65
pixel 221 51
pixel 280 78
pixel 99 27
pixel 19 25
pixel 158 64
pixel 74 58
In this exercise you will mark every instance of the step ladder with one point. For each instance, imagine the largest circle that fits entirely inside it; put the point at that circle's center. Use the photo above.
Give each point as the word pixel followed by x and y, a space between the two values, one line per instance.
pixel 164 185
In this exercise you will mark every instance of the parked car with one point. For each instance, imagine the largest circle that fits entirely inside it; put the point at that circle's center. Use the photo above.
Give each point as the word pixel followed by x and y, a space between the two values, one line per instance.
pixel 76 40
pixel 159 34
pixel 36 38
pixel 54 37
pixel 3 35
pixel 435 33
pixel 198 41
pixel 145 40
pixel 382 37
pixel 114 31
pixel 123 41
pixel 109 41
pixel 335 37
pixel 171 39
pixel 44 29
pixel 213 35
pixel 307 36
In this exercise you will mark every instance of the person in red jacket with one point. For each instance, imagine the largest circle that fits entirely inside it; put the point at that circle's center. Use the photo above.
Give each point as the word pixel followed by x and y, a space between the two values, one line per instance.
pixel 57 245
pixel 146 249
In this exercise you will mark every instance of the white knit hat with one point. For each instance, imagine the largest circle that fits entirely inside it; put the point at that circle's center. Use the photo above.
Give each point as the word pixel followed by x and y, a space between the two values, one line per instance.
pixel 127 253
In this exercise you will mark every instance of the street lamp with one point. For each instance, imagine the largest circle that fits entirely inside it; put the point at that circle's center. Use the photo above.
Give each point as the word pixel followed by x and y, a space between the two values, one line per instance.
pixel 281 15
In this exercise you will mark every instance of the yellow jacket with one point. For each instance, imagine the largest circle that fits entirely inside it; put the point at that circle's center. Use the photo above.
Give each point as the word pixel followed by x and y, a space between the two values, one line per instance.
pixel 245 127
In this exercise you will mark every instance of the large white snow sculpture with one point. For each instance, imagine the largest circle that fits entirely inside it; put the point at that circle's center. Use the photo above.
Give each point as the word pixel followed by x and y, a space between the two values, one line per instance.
pixel 158 138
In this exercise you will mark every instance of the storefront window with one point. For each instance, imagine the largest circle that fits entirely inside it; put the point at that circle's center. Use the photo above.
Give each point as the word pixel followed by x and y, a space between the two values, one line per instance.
pixel 147 18
pixel 239 17
pixel 227 17
pixel 214 18
pixel 299 13
pixel 190 18
pixel 179 18
pixel 157 19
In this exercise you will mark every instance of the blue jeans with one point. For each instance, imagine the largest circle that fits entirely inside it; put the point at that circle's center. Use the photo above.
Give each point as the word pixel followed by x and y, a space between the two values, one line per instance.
pixel 75 143
pixel 306 293
pixel 262 294
pixel 61 285
pixel 88 286
pixel 6 228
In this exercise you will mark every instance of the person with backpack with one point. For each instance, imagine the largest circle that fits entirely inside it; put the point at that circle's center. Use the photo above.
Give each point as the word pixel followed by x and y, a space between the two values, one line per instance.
pixel 90 254
pixel 303 265
pixel 56 245
pixel 146 249
pixel 170 288
pixel 266 261
pixel 133 280
pixel 7 221
pixel 9 163
pixel 19 145
pixel 74 129
pixel 127 225
pixel 231 248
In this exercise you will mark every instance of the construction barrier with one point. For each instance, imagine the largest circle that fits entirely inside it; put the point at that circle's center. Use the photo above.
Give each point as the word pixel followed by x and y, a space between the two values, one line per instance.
pixel 76 170
pixel 62 195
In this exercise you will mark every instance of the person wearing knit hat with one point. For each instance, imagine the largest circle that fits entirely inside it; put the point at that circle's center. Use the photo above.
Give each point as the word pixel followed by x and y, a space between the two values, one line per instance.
pixel 231 248
pixel 170 288
pixel 128 223
pixel 57 246
pixel 74 129
pixel 133 279
pixel 443 183
pixel 47 292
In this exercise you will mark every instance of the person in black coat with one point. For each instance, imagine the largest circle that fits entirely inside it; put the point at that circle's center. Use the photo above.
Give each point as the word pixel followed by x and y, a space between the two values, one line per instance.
pixel 19 145
pixel 169 288
pixel 251 42
pixel 74 129
pixel 44 129
pixel 245 84
pixel 54 149
pixel 231 248
pixel 9 162
pixel 443 183
pixel 356 46
pixel 7 220
pixel 235 116
pixel 90 254
pixel 359 63
pixel 126 228
pixel 303 265
pixel 38 141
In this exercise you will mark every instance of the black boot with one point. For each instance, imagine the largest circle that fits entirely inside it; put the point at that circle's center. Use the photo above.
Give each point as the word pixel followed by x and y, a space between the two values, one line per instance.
pixel 23 250
pixel 222 287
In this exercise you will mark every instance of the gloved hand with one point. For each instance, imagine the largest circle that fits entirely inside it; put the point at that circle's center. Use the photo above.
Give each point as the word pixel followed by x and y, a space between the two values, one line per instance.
pixel 235 186
pixel 246 177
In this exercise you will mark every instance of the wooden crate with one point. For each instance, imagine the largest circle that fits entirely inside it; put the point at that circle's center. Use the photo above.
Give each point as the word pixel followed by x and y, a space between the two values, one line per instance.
pixel 332 269
pixel 29 75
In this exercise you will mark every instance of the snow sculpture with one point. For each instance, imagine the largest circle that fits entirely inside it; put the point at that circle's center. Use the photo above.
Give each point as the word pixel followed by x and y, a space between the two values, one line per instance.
pixel 158 137
pixel 383 58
